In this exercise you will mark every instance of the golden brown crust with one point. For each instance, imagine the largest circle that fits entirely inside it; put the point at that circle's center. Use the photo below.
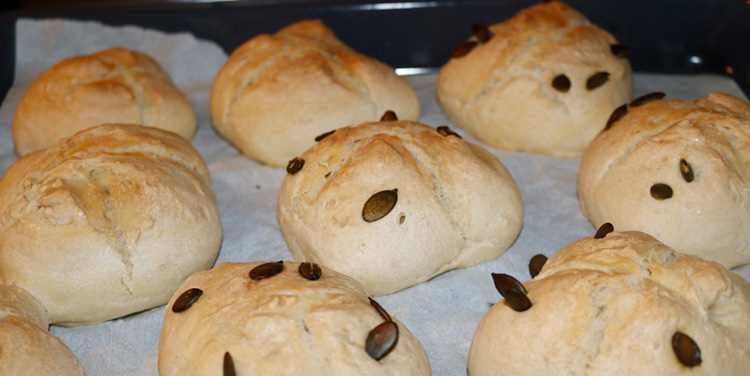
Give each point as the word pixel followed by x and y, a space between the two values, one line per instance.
pixel 456 205
pixel 111 86
pixel 611 306
pixel 502 92
pixel 281 325
pixel 26 347
pixel 108 222
pixel 277 92
pixel 707 216
pixel 15 301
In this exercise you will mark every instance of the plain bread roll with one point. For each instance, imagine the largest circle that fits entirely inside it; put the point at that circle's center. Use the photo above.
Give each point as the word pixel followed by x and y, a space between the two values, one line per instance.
pixel 108 222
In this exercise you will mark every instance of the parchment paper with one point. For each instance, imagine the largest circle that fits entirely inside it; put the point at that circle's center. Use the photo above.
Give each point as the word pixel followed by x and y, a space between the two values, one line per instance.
pixel 442 313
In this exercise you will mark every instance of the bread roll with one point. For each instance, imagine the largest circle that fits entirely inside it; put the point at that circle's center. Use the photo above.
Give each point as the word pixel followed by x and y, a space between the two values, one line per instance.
pixel 26 347
pixel 277 92
pixel 544 82
pixel 107 222
pixel 15 301
pixel 395 203
pixel 283 324
pixel 110 86
pixel 677 170
pixel 624 304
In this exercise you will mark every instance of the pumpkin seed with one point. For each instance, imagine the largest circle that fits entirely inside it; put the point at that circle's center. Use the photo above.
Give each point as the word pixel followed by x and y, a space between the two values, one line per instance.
pixel 382 340
pixel 513 292
pixel 381 311
pixel 517 299
pixel 186 300
pixel 603 230
pixel 596 80
pixel 687 171
pixel 504 282
pixel 536 264
pixel 320 137
pixel 643 99
pixel 687 351
pixel 617 114
pixel 661 191
pixel 266 270
pixel 310 271
pixel 444 131
pixel 228 365
pixel 379 205
pixel 295 165
pixel 389 116
pixel 561 83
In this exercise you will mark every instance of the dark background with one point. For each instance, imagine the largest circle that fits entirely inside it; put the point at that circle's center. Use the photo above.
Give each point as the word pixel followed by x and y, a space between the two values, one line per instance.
pixel 36 4
pixel 666 36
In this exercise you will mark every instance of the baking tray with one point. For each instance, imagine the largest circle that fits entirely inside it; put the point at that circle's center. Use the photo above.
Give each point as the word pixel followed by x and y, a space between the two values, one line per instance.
pixel 675 37
pixel 668 36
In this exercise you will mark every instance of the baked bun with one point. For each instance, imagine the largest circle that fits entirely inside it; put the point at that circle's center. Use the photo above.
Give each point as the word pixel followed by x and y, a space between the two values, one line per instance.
pixel 267 319
pixel 277 92
pixel 107 222
pixel 544 81
pixel 111 86
pixel 26 347
pixel 677 170
pixel 395 203
pixel 624 304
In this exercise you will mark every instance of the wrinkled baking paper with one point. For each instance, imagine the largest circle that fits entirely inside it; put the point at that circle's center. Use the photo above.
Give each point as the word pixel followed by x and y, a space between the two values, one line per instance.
pixel 443 313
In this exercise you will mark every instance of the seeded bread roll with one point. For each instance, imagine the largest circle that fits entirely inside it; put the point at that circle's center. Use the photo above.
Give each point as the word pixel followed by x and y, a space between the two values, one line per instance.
pixel 282 318
pixel 107 222
pixel 677 170
pixel 277 92
pixel 623 305
pixel 395 203
pixel 111 86
pixel 544 81
pixel 26 347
